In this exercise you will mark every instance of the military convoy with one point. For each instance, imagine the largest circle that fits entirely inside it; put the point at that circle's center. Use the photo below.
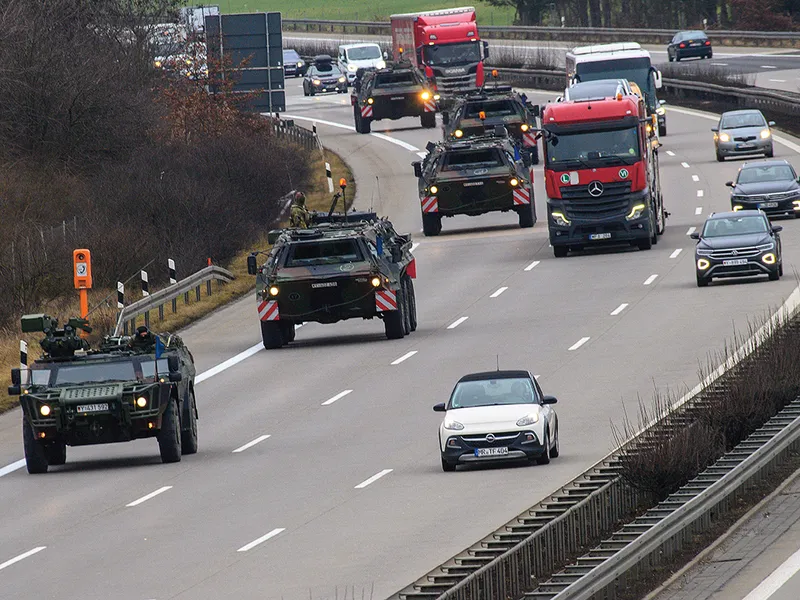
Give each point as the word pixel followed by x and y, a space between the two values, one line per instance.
pixel 344 266
pixel 129 388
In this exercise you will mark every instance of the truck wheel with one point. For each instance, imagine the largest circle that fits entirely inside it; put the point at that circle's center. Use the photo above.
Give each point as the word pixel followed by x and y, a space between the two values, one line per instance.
pixel 412 303
pixel 661 219
pixel 189 435
pixel 287 331
pixel 56 453
pixel 169 436
pixel 560 251
pixel 35 456
pixel 431 224
pixel 535 155
pixel 428 120
pixel 646 243
pixel 393 319
pixel 525 213
pixel 406 310
pixel 662 129
pixel 653 228
pixel 271 334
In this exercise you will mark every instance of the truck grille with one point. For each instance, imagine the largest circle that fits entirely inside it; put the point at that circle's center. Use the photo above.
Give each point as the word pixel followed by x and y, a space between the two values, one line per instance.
pixel 611 190
pixel 88 393
pixel 611 203
pixel 455 84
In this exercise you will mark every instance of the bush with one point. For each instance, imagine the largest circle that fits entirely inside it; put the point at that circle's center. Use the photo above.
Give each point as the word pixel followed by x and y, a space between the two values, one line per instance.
pixel 708 74
pixel 526 57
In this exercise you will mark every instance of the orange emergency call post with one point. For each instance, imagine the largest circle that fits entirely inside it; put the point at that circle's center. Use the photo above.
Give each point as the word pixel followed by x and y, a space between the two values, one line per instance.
pixel 82 276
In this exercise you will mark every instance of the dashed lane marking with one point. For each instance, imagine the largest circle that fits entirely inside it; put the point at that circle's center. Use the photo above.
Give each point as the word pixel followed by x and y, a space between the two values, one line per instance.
pixel 676 252
pixel 650 279
pixel 258 440
pixel 579 343
pixel 405 356
pixel 691 230
pixel 262 539
pixel 698 210
pixel 498 292
pixel 531 266
pixel 670 153
pixel 338 396
pixel 619 309
pixel 700 193
pixel 685 165
pixel 373 479
pixel 695 178
pixel 457 322
pixel 160 490
pixel 22 556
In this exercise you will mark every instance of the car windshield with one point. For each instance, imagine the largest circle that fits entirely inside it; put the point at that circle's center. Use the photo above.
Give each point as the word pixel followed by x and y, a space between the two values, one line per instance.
pixel 691 35
pixel 363 53
pixel 149 368
pixel 327 252
pixel 472 159
pixel 724 226
pixel 594 148
pixel 493 108
pixel 397 78
pixel 764 174
pixel 753 119
pixel 490 392
pixel 633 69
pixel 593 90
pixel 290 56
pixel 461 53
pixel 97 372
pixel 36 376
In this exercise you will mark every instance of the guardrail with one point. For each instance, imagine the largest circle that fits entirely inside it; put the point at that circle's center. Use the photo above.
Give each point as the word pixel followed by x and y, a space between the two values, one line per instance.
pixel 771 39
pixel 126 320
pixel 285 128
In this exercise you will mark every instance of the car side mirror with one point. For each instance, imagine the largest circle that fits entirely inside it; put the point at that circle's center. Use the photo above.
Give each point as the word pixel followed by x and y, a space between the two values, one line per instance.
pixel 534 108
pixel 16 377
pixel 771 123
pixel 729 183
pixel 14 390
pixel 417 168
pixel 695 236
pixel 439 407
pixel 173 364
pixel 776 228
pixel 252 265
pixel 715 129
pixel 176 377
pixel 549 400
pixel 662 102
pixel 485 49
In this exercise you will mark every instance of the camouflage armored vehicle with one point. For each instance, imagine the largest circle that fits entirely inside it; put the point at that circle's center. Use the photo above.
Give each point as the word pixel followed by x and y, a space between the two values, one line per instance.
pixel 348 266
pixel 129 388
pixel 484 174
pixel 399 90
pixel 477 114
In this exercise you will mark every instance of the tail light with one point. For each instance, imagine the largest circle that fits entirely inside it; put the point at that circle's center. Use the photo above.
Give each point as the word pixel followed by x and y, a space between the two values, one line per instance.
pixel 681 45
pixel 708 42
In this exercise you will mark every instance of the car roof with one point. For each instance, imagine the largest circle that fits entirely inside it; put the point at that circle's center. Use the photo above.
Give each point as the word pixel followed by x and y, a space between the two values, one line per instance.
pixel 743 111
pixel 285 50
pixel 487 375
pixel 738 213
pixel 358 45
pixel 775 162
pixel 692 33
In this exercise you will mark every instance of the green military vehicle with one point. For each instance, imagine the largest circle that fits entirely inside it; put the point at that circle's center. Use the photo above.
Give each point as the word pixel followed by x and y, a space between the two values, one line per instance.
pixel 344 266
pixel 484 174
pixel 397 91
pixel 129 388
pixel 479 112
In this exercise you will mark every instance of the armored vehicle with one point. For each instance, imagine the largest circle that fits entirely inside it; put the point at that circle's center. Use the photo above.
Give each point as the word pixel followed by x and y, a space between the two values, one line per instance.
pixel 399 90
pixel 473 177
pixel 131 387
pixel 345 266
pixel 478 113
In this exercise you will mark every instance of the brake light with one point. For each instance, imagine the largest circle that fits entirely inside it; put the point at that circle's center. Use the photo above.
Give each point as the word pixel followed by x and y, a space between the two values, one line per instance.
pixel 681 45
pixel 708 42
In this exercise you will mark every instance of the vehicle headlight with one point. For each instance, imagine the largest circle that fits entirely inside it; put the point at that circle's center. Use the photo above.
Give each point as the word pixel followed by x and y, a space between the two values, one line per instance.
pixel 316 82
pixel 524 127
pixel 765 133
pixel 769 259
pixel 342 79
pixel 636 212
pixel 766 247
pixel 514 182
pixel 141 402
pixel 381 64
pixel 370 100
pixel 375 281
pixel 737 207
pixel 352 68
pixel 44 409
pixel 560 219
pixel 436 96
pixel 300 63
pixel 425 95
pixel 724 137
pixel 704 252
pixel 453 425
pixel 273 290
pixel 458 133
pixel 434 189
pixel 528 420
pixel 703 264
pixel 796 204
pixel 661 110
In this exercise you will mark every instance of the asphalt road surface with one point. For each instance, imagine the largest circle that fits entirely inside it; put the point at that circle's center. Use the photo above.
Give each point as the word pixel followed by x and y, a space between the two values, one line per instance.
pixel 348 493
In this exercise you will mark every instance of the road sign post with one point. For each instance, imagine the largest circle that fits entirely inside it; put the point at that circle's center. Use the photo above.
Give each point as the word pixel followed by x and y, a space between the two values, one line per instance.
pixel 82 279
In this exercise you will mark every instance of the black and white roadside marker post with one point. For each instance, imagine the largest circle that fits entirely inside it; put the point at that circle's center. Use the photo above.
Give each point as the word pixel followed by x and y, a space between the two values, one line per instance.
pixel 329 176
pixel 120 295
pixel 23 355
pixel 145 294
pixel 173 279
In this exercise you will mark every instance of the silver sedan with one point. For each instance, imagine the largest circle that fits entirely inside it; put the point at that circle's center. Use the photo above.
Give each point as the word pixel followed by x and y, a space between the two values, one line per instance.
pixel 743 132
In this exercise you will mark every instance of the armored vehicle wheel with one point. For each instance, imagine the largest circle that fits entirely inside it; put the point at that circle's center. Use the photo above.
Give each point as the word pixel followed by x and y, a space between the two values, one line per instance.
pixel 169 437
pixel 393 320
pixel 428 120
pixel 653 228
pixel 189 435
pixel 35 456
pixel 525 213
pixel 305 91
pixel 662 129
pixel 431 224
pixel 56 453
pixel 535 155
pixel 560 251
pixel 544 459
pixel 362 124
pixel 287 331
pixel 412 302
pixel 271 334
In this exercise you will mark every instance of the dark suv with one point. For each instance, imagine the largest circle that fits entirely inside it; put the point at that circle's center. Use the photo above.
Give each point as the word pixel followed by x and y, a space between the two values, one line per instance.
pixel 770 185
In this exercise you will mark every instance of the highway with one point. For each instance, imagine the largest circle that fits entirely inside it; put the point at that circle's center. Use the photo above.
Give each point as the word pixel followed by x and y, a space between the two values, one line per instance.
pixel 318 468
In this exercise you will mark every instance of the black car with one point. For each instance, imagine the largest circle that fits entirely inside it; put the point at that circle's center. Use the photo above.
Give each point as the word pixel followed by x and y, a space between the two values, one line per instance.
pixel 324 76
pixel 770 185
pixel 738 244
pixel 688 44
pixel 293 64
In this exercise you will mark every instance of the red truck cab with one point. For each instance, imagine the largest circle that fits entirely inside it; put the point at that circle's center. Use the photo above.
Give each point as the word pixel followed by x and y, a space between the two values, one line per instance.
pixel 445 45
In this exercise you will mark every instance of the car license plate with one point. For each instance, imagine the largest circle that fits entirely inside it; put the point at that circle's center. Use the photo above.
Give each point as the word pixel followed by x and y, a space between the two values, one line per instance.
pixel 473 183
pixel 745 146
pixel 87 408
pixel 491 451
pixel 398 97
pixel 599 236
pixel 768 205
pixel 734 262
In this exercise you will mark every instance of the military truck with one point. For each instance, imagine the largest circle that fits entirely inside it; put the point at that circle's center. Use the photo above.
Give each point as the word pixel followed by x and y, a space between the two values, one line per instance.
pixel 484 174
pixel 345 266
pixel 396 91
pixel 479 112
pixel 129 388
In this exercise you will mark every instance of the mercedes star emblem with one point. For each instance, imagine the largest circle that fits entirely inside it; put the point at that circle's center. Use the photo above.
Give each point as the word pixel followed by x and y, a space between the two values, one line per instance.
pixel 595 189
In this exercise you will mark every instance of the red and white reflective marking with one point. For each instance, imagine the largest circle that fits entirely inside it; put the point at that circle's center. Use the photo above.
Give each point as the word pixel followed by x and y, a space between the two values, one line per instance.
pixel 430 106
pixel 530 173
pixel 522 196
pixel 528 139
pixel 268 310
pixel 366 111
pixel 385 300
pixel 430 204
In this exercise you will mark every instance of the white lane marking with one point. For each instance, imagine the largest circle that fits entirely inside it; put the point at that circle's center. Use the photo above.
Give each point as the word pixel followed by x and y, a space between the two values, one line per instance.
pixel 650 279
pixel 695 178
pixel 619 309
pixel 698 210
pixel 414 246
pixel 700 193
pixel 405 356
pixel 776 579
pixel 670 152
pixel 768 67
pixel 229 363
pixel 676 252
pixel 691 230
pixel 262 539
pixel 373 479
pixel 499 291
pixel 579 343
pixel 258 440
pixel 381 136
pixel 22 556
pixel 685 165
pixel 778 80
pixel 338 396
pixel 457 322
pixel 12 467
pixel 532 265
pixel 719 64
pixel 160 490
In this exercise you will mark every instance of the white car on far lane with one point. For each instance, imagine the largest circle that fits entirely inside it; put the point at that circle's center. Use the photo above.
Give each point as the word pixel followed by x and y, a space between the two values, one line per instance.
pixel 497 415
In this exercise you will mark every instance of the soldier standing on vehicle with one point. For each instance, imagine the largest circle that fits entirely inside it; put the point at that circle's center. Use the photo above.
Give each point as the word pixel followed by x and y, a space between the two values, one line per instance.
pixel 143 338
pixel 299 217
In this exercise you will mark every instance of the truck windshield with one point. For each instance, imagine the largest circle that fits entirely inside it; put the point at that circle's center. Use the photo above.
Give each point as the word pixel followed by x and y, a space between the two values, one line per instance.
pixel 472 159
pixel 493 108
pixel 327 252
pixel 594 148
pixel 462 53
pixel 401 78
pixel 149 368
pixel 632 69
pixel 97 372
pixel 363 53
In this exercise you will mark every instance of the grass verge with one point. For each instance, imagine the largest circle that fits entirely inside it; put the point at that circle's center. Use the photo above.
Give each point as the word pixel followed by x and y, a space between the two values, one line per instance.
pixel 104 316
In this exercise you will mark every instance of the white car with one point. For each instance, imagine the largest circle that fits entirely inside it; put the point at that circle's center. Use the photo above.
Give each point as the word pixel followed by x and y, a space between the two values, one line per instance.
pixel 353 57
pixel 497 415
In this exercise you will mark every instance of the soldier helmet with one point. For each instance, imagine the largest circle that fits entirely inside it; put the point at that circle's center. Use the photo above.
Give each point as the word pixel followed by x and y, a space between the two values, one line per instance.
pixel 142 331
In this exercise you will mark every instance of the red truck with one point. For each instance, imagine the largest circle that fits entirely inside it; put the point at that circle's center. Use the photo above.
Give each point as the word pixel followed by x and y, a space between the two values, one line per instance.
pixel 601 174
pixel 445 45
